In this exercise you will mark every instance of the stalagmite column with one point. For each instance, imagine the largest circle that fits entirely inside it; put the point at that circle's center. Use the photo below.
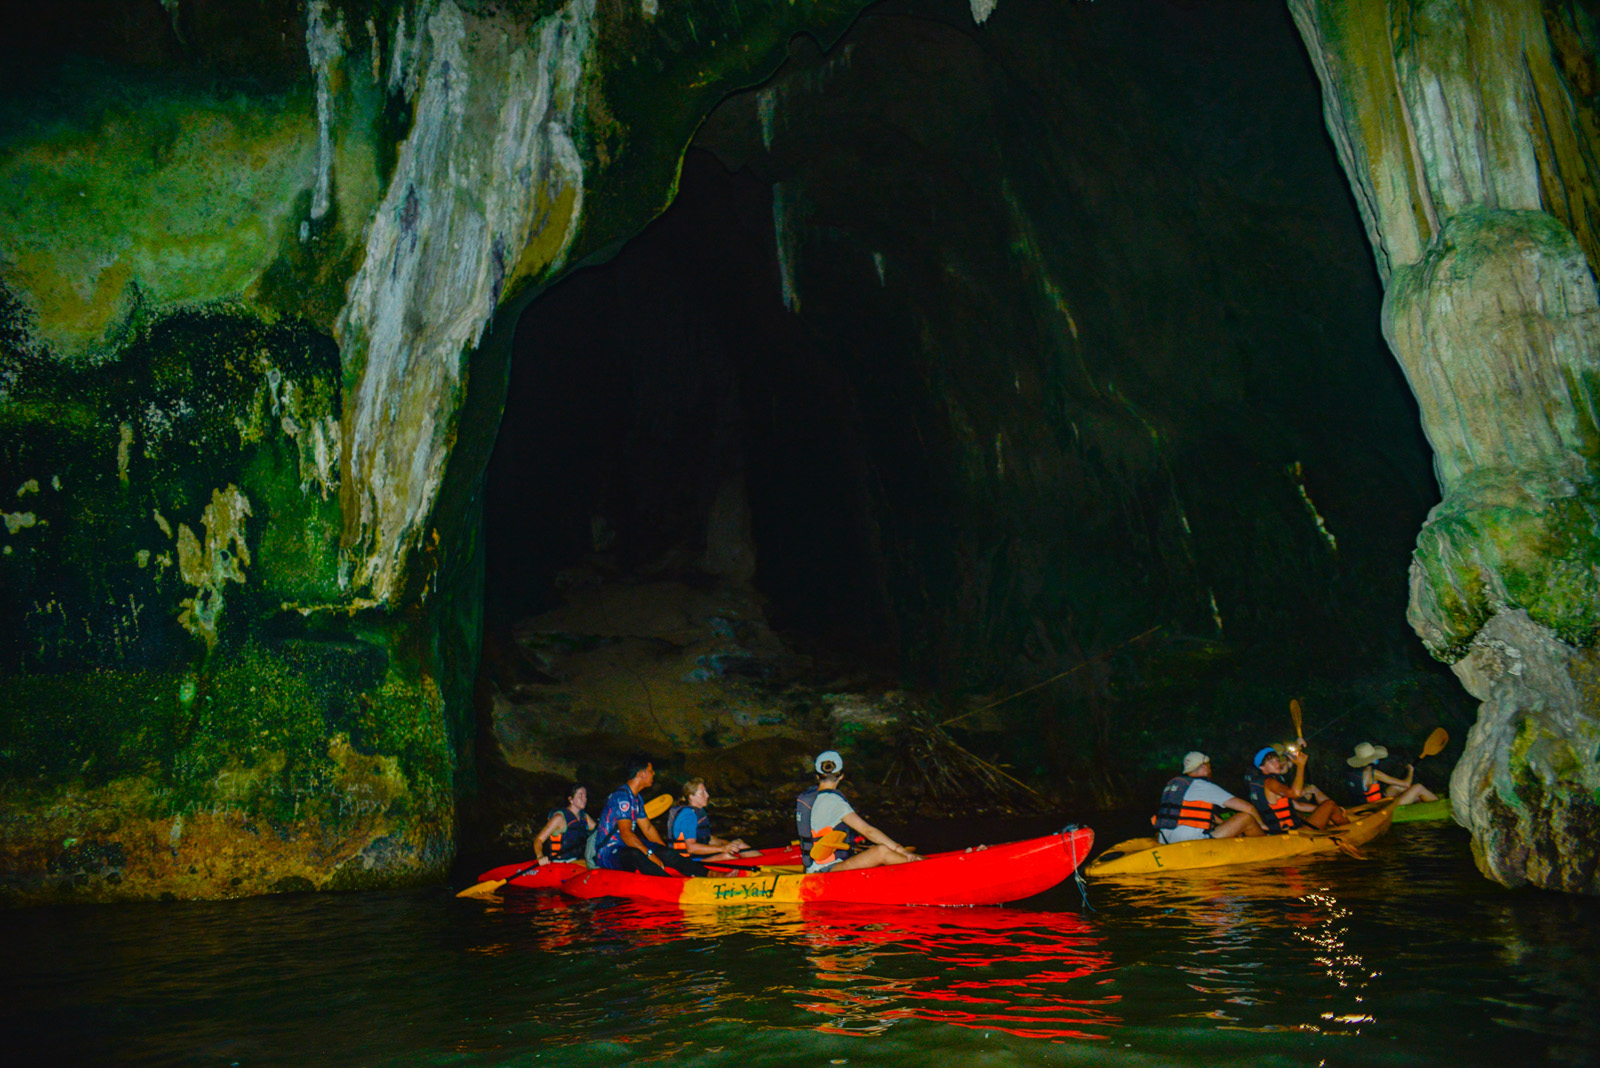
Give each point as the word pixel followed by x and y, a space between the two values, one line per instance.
pixel 1468 131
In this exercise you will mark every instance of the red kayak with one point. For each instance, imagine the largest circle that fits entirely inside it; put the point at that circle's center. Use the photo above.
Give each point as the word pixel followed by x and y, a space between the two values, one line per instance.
pixel 990 876
pixel 550 876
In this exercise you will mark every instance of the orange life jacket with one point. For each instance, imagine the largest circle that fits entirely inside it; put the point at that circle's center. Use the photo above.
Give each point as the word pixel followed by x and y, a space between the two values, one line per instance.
pixel 1176 811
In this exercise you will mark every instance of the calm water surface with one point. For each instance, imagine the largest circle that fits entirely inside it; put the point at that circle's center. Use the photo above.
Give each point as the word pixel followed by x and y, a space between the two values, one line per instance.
pixel 1407 958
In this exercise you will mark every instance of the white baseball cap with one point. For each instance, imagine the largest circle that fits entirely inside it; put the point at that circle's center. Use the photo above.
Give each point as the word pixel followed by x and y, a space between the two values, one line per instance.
pixel 1193 760
pixel 829 763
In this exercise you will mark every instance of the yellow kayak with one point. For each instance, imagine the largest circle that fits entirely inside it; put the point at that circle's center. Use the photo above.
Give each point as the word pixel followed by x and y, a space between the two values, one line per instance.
pixel 1146 856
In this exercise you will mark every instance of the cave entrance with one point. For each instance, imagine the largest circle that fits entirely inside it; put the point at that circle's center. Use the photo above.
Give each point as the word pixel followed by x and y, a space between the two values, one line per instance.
pixel 1045 352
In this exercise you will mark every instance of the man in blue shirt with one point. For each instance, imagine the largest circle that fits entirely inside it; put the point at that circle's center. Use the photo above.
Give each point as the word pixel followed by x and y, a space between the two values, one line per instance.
pixel 625 838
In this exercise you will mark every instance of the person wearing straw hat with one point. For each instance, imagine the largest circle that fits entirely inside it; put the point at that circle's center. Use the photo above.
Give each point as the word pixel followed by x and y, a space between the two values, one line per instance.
pixel 1367 783
pixel 832 835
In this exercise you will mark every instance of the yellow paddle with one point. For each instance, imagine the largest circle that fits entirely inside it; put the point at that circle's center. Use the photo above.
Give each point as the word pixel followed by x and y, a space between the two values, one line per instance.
pixel 1294 713
pixel 652 808
pixel 1435 743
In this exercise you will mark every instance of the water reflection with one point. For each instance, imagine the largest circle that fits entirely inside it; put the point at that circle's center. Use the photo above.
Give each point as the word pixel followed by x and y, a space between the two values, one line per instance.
pixel 863 968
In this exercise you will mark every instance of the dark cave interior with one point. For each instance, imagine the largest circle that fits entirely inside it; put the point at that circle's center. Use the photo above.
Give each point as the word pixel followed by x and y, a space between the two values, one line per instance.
pixel 947 488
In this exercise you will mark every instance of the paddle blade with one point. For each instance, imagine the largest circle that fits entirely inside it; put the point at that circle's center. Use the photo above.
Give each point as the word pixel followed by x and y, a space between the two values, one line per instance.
pixel 657 805
pixel 1435 743
pixel 1294 712
pixel 1349 850
pixel 485 889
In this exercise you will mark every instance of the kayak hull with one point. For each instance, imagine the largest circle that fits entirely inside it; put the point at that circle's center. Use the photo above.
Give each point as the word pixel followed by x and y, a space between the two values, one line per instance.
pixel 992 876
pixel 1145 856
pixel 550 876
pixel 1424 810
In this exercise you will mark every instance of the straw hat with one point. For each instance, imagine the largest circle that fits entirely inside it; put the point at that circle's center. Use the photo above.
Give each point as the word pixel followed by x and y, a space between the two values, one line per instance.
pixel 1367 753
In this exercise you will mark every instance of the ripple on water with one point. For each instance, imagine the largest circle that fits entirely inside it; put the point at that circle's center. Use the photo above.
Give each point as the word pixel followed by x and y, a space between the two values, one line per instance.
pixel 1407 958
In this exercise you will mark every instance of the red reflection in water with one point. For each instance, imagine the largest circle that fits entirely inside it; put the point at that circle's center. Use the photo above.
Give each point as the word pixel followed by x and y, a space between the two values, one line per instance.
pixel 1023 973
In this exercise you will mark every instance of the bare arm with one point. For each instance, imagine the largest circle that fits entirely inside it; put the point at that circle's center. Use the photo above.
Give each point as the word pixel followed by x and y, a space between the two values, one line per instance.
pixel 872 834
pixel 1299 767
pixel 1391 780
pixel 1240 805
pixel 627 830
pixel 557 825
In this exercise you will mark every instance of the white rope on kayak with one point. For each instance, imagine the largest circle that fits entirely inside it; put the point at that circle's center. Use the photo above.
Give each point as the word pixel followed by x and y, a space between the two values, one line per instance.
pixel 1071 839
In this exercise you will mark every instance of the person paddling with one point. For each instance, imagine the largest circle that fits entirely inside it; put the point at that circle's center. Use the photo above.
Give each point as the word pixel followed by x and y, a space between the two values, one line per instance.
pixel 1191 802
pixel 567 830
pixel 689 828
pixel 1284 804
pixel 832 833
pixel 1369 784
pixel 626 839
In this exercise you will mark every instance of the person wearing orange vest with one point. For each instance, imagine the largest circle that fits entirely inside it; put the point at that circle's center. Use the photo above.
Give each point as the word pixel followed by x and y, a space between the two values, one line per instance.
pixel 1370 784
pixel 1191 803
pixel 567 830
pixel 830 829
pixel 689 830
pixel 1284 804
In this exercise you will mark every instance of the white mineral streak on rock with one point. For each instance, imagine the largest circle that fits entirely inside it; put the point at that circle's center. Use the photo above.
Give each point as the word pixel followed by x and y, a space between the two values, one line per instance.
pixel 488 159
pixel 982 9
pixel 1493 327
pixel 766 112
pixel 325 49
pixel 783 235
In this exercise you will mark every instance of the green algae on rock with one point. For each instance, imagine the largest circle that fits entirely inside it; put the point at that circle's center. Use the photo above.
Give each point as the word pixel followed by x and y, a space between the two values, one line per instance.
pixel 1468 133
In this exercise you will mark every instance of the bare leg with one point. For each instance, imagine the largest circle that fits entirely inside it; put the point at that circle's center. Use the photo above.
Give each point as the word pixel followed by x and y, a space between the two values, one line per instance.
pixel 1327 813
pixel 1414 793
pixel 871 857
pixel 1241 823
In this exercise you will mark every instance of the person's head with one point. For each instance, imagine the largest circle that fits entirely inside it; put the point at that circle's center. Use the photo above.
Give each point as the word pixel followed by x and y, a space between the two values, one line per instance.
pixel 640 771
pixel 695 794
pixel 577 796
pixel 1269 761
pixel 1196 763
pixel 830 766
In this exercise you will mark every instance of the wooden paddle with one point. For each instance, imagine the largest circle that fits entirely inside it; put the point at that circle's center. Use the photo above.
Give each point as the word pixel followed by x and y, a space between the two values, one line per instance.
pixel 1435 743
pixel 652 808
pixel 1294 714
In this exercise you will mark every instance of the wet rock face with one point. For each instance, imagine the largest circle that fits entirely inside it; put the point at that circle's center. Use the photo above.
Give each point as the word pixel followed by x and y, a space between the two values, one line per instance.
pixel 251 260
pixel 1468 132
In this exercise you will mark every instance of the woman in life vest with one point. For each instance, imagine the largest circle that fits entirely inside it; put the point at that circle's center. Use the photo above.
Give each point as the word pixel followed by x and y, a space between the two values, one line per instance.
pixel 1370 784
pixel 1284 804
pixel 1191 802
pixel 832 834
pixel 689 829
pixel 567 829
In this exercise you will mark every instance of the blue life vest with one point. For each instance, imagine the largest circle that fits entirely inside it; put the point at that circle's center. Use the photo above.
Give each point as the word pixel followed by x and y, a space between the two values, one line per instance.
pixel 832 845
pixel 1174 811
pixel 686 824
pixel 1277 811
pixel 570 845
pixel 623 804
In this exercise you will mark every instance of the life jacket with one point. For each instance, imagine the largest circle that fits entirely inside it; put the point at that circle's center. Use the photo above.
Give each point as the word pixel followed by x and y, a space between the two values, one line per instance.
pixel 570 845
pixel 1360 788
pixel 834 844
pixel 680 839
pixel 1174 811
pixel 1276 809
